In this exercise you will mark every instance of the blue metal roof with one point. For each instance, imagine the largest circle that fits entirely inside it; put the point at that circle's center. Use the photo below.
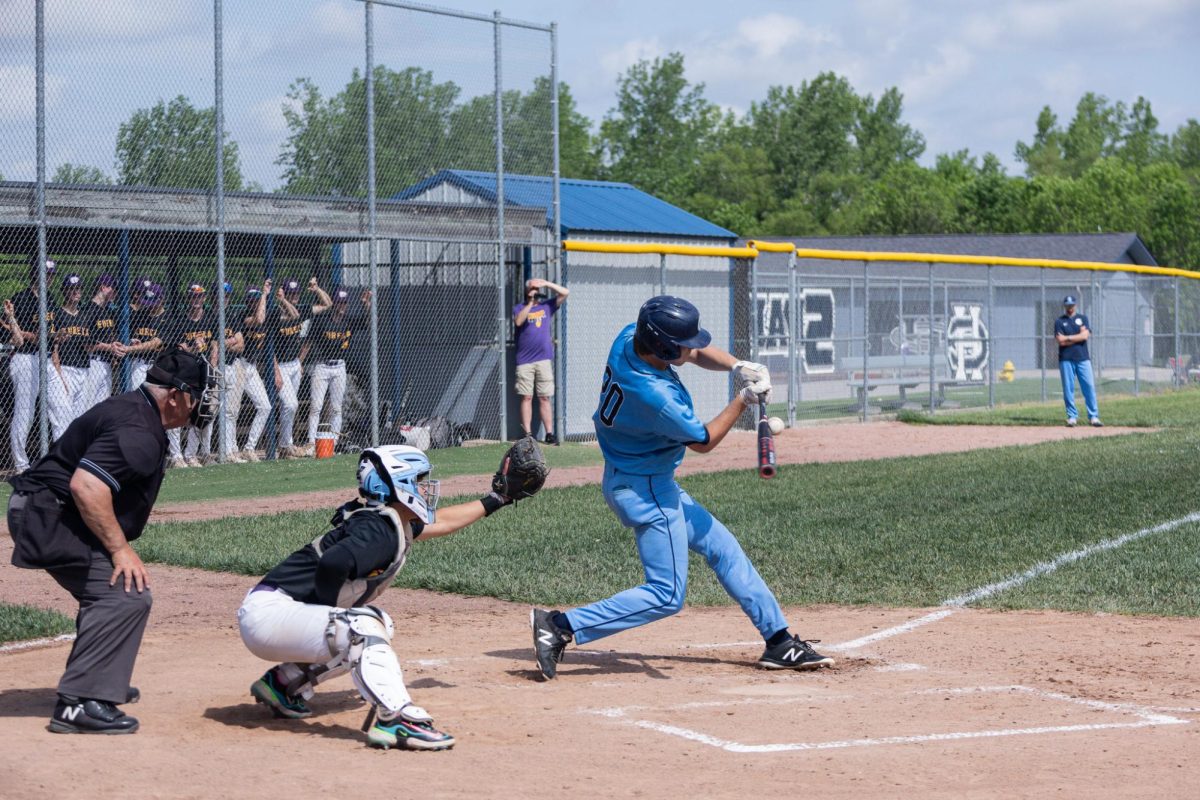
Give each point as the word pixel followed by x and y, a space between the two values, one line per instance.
pixel 599 206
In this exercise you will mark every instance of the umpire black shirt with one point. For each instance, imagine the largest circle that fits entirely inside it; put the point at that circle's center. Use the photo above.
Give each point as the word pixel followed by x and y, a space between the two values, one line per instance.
pixel 123 443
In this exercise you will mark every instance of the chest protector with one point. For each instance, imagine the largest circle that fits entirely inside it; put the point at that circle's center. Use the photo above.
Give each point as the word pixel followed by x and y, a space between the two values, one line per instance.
pixel 361 591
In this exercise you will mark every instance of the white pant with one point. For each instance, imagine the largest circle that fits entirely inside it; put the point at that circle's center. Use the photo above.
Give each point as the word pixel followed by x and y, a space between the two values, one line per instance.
pixel 100 379
pixel 327 378
pixel 137 372
pixel 289 399
pixel 78 385
pixel 275 627
pixel 246 380
pixel 198 445
pixel 22 368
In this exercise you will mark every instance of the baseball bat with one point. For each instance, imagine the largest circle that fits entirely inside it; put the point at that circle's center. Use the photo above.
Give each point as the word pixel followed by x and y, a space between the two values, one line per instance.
pixel 766 441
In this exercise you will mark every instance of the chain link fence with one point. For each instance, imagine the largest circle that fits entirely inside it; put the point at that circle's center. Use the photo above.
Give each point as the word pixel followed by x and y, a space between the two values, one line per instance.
pixel 857 338
pixel 339 124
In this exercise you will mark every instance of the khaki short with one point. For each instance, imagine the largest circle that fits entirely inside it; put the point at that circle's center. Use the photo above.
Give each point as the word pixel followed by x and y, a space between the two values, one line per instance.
pixel 539 375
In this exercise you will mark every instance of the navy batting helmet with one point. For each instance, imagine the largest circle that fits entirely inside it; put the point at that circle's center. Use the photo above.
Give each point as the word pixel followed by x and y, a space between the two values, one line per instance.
pixel 666 323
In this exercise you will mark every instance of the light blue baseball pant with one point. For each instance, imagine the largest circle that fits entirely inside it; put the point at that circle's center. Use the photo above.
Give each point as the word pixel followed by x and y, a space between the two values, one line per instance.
pixel 667 523
pixel 1068 370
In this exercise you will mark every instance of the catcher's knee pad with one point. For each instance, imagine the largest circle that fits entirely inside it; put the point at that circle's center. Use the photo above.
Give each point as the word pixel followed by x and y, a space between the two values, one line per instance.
pixel 360 639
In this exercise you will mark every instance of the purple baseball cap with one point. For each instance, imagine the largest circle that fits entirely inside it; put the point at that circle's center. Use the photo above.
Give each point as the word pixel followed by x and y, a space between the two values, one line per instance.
pixel 341 296
pixel 152 296
pixel 253 291
pixel 73 281
pixel 106 280
pixel 291 286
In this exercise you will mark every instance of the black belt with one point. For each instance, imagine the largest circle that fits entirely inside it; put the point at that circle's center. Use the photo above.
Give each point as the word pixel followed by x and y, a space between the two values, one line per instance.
pixel 334 362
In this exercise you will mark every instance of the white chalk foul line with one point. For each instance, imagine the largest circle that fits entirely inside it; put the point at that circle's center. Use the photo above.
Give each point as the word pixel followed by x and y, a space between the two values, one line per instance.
pixel 1147 718
pixel 1043 568
pixel 32 643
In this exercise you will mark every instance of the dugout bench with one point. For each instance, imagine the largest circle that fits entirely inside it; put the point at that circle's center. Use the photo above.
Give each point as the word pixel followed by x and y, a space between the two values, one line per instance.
pixel 903 372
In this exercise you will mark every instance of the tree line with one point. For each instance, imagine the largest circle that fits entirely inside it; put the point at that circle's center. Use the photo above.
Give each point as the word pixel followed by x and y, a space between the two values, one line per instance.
pixel 811 159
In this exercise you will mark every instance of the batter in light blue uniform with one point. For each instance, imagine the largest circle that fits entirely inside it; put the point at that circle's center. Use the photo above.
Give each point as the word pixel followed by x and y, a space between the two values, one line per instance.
pixel 644 422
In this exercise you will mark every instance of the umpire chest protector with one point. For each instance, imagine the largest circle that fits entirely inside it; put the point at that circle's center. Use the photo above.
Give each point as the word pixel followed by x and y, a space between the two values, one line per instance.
pixel 361 591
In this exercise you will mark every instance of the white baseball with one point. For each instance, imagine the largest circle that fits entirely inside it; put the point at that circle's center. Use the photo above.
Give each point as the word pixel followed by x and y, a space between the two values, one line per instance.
pixel 776 424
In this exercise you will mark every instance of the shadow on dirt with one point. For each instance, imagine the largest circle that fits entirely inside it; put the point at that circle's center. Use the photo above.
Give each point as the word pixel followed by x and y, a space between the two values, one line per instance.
pixel 27 702
pixel 592 663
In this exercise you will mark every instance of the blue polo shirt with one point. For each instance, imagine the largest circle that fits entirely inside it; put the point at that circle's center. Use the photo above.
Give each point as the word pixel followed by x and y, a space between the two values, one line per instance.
pixel 1069 326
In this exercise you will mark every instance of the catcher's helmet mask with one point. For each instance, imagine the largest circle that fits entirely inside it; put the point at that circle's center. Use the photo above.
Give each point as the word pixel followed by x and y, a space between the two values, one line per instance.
pixel 193 375
pixel 666 323
pixel 399 474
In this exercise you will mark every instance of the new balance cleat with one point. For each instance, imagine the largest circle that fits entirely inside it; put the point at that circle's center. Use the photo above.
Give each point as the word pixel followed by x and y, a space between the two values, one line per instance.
pixel 81 715
pixel 549 641
pixel 266 690
pixel 794 653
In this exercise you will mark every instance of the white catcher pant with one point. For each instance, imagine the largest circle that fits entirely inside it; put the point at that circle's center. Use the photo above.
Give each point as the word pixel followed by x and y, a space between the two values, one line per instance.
pixel 328 379
pixel 246 381
pixel 22 368
pixel 289 399
pixel 277 628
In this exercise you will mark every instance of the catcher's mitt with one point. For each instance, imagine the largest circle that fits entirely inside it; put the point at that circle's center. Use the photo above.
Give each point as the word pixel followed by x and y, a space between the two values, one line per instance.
pixel 522 471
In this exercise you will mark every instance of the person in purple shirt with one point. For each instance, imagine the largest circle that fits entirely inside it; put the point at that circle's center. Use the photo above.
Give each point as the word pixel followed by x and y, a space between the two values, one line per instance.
pixel 535 352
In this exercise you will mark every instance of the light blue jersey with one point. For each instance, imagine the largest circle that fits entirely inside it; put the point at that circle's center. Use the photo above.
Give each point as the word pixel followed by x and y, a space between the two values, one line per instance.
pixel 645 419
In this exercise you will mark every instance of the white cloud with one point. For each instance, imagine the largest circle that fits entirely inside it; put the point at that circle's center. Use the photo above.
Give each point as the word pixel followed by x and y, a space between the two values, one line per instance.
pixel 18 93
pixel 952 66
pixel 766 37
pixel 617 61
pixel 268 114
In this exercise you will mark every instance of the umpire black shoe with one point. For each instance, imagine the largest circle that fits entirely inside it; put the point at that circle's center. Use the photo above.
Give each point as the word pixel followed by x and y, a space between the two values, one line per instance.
pixel 80 715
pixel 549 641
pixel 794 653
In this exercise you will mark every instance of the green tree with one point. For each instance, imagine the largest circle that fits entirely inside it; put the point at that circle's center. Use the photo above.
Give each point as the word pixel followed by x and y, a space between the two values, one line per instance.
pixel 883 140
pixel 1044 155
pixel 659 129
pixel 1094 133
pixel 1141 142
pixel 173 144
pixel 1185 145
pixel 326 149
pixel 80 174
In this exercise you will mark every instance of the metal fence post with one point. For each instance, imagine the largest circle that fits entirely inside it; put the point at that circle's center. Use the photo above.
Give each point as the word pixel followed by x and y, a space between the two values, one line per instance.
pixel 866 328
pixel 501 278
pixel 991 367
pixel 796 322
pixel 372 258
pixel 929 343
pixel 223 446
pixel 1179 373
pixel 1137 339
pixel 1041 338
pixel 272 441
pixel 662 273
pixel 755 322
pixel 43 300
pixel 560 323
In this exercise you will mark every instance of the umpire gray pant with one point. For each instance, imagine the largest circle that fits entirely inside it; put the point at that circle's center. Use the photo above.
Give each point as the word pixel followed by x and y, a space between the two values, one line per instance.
pixel 108 631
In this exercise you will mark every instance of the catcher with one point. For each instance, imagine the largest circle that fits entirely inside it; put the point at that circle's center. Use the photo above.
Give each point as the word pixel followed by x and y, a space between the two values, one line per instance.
pixel 313 611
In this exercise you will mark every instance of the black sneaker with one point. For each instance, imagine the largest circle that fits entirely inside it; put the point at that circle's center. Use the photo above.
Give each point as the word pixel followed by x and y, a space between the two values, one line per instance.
pixel 551 439
pixel 549 641
pixel 794 653
pixel 80 715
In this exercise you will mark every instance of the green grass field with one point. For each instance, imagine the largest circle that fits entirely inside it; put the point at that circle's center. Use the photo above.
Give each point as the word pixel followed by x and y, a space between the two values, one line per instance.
pixel 1168 409
pixel 22 622
pixel 907 531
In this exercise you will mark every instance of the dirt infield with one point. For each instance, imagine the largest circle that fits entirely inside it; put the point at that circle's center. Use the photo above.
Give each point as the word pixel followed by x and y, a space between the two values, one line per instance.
pixel 975 704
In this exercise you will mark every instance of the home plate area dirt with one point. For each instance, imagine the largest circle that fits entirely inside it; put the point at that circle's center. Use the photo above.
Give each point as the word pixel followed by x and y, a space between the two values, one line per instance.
pixel 975 704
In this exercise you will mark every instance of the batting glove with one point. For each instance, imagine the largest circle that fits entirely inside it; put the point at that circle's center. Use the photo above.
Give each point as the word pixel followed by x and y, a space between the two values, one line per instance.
pixel 753 376
pixel 751 397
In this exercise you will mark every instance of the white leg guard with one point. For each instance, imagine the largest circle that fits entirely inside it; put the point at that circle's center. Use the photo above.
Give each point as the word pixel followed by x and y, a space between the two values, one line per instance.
pixel 360 639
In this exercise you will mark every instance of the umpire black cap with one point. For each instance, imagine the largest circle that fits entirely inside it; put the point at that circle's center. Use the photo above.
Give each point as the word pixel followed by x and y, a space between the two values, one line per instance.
pixel 187 372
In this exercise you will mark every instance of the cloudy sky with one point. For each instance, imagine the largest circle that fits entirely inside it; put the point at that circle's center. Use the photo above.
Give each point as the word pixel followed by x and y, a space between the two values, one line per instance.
pixel 974 74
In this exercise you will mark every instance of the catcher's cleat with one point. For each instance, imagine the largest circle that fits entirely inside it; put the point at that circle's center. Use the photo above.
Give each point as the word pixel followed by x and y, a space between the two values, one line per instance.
pixel 794 653
pixel 267 690
pixel 549 641
pixel 81 715
pixel 400 732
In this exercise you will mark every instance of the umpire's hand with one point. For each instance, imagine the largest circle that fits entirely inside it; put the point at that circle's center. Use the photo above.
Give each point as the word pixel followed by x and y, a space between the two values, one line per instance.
pixel 128 563
pixel 94 501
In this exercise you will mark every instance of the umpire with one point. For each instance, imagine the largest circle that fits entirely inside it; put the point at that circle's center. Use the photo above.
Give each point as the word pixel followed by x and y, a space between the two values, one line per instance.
pixel 74 513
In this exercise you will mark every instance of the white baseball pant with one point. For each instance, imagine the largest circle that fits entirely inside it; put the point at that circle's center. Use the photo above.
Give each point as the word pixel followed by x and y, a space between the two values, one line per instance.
pixel 100 380
pixel 78 386
pixel 137 372
pixel 22 369
pixel 289 399
pixel 247 381
pixel 328 377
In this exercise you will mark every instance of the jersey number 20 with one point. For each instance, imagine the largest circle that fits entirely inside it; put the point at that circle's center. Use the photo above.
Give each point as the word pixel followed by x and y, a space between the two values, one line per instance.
pixel 611 397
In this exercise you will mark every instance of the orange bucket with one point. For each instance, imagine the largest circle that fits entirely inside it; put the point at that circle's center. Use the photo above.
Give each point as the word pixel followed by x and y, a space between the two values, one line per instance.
pixel 324 444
